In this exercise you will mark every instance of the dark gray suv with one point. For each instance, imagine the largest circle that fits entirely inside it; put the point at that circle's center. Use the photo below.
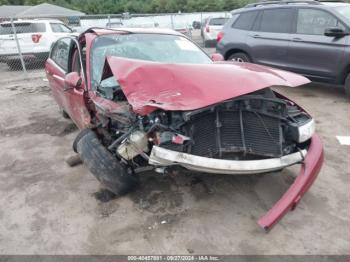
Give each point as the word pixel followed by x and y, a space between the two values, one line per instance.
pixel 307 37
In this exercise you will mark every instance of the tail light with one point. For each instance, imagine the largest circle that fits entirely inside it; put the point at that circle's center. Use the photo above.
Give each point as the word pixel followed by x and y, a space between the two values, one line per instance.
pixel 207 29
pixel 36 38
pixel 219 36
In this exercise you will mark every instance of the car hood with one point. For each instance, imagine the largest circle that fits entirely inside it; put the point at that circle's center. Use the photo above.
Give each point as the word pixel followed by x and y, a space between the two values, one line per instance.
pixel 151 85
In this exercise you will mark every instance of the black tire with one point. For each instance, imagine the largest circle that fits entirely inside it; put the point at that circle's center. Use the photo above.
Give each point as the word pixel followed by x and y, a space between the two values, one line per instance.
pixel 206 43
pixel 103 165
pixel 347 85
pixel 14 65
pixel 239 57
pixel 65 114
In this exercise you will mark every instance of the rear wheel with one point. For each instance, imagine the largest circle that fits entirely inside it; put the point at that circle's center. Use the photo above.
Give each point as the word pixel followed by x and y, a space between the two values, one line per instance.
pixel 239 57
pixel 347 85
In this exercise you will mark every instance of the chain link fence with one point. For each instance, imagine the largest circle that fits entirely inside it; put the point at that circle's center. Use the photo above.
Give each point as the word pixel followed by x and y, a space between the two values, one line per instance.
pixel 25 42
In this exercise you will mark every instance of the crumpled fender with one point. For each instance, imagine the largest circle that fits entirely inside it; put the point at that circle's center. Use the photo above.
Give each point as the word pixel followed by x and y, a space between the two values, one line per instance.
pixel 151 85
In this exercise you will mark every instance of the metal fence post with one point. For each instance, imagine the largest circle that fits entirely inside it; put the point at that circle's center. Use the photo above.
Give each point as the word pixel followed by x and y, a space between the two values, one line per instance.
pixel 172 21
pixel 18 47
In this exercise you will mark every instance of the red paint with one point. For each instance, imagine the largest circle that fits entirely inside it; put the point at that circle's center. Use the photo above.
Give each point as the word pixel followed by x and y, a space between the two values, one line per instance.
pixel 309 170
pixel 219 36
pixel 149 85
pixel 73 80
pixel 36 38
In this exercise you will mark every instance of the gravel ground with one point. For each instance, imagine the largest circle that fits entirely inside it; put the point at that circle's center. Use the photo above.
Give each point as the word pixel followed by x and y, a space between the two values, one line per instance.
pixel 49 208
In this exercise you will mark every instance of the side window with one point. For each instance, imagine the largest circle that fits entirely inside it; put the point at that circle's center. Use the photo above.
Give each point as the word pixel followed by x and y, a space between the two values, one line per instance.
pixel 245 20
pixel 59 28
pixel 60 53
pixel 314 22
pixel 277 20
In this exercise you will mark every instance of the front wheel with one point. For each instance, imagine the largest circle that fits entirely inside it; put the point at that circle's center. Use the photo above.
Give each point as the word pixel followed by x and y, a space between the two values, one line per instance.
pixel 112 174
pixel 239 57
pixel 347 85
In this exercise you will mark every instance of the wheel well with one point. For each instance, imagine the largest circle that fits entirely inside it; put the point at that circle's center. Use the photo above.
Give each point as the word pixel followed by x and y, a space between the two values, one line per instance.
pixel 344 74
pixel 233 51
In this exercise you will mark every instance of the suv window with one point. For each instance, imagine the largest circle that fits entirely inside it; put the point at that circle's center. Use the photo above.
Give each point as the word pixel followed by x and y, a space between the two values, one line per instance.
pixel 277 20
pixel 245 20
pixel 218 21
pixel 314 22
pixel 60 53
pixel 22 28
pixel 60 28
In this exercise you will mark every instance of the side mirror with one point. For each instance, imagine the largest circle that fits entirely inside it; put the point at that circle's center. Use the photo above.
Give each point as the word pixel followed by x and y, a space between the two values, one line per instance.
pixel 72 80
pixel 335 32
pixel 217 57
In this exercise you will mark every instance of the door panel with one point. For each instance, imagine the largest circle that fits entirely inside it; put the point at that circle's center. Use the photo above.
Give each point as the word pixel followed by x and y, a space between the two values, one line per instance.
pixel 269 48
pixel 312 53
pixel 63 60
pixel 270 36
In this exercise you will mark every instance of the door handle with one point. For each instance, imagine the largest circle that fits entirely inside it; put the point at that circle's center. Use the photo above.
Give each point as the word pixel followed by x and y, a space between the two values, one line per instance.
pixel 256 36
pixel 296 39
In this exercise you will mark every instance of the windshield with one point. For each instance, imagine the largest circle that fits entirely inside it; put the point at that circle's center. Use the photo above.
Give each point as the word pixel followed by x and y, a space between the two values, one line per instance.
pixel 150 47
pixel 343 10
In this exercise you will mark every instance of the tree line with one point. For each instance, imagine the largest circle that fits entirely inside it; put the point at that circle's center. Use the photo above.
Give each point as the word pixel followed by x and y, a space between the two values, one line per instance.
pixel 138 6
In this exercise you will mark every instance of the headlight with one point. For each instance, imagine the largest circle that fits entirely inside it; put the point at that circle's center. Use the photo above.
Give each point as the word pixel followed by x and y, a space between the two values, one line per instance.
pixel 306 131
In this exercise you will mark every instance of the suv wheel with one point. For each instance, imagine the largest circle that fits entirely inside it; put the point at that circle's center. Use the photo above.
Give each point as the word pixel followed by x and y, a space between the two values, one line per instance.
pixel 239 57
pixel 347 85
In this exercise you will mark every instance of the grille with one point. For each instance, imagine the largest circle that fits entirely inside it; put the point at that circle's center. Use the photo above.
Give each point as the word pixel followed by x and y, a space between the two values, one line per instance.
pixel 262 135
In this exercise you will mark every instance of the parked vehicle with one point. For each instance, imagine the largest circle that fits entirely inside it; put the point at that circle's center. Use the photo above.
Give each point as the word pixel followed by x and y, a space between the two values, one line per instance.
pixel 211 27
pixel 152 99
pixel 35 38
pixel 196 25
pixel 306 37
pixel 114 24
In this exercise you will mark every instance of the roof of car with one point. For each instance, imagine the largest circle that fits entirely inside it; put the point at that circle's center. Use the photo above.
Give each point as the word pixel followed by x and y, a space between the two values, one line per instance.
pixel 105 31
pixel 34 21
pixel 279 3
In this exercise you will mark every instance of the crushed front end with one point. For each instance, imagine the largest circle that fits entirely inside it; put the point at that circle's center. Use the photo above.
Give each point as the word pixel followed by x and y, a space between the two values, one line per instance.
pixel 255 133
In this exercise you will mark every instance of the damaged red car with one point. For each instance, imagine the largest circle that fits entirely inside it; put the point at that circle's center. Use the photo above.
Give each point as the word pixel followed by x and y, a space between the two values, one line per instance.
pixel 152 99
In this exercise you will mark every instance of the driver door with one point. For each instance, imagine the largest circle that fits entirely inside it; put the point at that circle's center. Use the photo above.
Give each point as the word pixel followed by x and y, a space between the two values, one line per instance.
pixel 64 59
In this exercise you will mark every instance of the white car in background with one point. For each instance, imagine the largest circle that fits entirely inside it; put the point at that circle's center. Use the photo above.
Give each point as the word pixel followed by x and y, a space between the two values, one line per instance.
pixel 35 38
pixel 210 29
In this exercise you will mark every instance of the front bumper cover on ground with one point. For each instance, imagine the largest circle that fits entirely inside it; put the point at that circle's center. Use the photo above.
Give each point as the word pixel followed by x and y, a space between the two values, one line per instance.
pixel 311 161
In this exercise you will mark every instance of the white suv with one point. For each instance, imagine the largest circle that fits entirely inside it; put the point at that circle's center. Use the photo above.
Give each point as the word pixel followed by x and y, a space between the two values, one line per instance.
pixel 212 26
pixel 35 38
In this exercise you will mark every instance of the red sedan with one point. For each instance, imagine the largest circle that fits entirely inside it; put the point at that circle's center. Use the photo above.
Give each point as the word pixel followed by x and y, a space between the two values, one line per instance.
pixel 152 99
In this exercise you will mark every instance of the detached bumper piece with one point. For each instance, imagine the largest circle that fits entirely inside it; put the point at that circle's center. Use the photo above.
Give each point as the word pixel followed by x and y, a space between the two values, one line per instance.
pixel 309 170
pixel 311 162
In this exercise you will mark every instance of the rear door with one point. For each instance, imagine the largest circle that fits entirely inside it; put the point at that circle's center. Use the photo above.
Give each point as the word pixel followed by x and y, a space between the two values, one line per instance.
pixel 65 58
pixel 24 31
pixel 312 53
pixel 57 66
pixel 270 37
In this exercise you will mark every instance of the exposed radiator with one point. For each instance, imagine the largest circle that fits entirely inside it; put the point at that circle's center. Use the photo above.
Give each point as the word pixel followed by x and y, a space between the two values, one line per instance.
pixel 216 134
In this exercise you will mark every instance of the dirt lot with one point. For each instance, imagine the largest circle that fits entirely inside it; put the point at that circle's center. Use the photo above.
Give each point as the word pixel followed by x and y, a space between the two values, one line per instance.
pixel 49 208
